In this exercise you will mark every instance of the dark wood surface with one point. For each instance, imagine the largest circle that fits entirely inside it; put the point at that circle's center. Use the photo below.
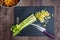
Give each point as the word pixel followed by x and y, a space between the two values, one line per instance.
pixel 7 19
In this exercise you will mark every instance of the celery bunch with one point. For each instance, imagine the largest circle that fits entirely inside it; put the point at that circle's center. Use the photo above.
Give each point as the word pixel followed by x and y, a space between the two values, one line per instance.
pixel 18 27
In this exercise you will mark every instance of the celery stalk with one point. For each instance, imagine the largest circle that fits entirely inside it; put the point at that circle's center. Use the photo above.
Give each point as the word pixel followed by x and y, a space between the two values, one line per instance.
pixel 23 24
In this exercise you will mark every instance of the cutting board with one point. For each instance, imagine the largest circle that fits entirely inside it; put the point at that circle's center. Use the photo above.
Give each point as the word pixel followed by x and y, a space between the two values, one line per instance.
pixel 20 13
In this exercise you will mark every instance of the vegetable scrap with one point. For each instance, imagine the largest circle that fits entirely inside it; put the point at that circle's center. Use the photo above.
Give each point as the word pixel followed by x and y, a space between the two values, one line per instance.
pixel 44 25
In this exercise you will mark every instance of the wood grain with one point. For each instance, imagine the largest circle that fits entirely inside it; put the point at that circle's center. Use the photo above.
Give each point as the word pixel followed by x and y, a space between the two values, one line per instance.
pixel 7 19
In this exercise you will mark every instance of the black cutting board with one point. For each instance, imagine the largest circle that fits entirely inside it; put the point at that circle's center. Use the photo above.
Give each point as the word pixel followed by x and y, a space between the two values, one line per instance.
pixel 25 11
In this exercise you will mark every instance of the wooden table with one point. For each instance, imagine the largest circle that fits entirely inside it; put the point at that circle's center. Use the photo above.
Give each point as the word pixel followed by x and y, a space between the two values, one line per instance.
pixel 7 19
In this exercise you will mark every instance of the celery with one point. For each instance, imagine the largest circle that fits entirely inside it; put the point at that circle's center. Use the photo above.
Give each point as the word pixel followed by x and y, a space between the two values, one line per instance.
pixel 23 24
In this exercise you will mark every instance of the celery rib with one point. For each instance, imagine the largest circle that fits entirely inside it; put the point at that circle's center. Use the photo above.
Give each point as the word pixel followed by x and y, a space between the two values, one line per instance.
pixel 23 24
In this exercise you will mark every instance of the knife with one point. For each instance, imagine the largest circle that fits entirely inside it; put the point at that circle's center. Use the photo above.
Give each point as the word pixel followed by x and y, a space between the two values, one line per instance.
pixel 43 30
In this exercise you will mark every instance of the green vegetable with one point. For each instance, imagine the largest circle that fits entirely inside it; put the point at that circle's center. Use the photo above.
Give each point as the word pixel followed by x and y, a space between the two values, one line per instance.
pixel 17 28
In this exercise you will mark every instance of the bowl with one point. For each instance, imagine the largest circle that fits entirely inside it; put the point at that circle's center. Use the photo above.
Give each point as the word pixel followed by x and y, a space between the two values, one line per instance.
pixel 9 3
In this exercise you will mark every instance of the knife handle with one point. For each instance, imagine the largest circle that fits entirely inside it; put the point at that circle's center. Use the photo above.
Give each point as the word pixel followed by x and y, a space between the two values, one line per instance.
pixel 48 34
